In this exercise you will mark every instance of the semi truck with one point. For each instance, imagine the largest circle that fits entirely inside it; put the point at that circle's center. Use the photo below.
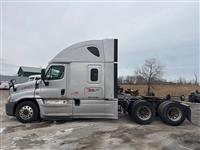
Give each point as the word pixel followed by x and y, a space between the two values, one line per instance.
pixel 81 82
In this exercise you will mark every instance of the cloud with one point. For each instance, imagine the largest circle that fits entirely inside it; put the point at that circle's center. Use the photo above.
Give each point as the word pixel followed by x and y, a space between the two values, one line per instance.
pixel 33 33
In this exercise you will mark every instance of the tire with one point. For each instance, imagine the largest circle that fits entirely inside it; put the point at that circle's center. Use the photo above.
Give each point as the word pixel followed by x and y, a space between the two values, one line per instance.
pixel 139 108
pixel 120 109
pixel 160 108
pixel 27 111
pixel 172 113
pixel 129 110
pixel 129 113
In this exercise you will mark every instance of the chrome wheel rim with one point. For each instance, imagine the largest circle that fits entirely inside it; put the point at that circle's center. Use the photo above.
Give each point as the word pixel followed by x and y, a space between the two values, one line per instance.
pixel 174 113
pixel 26 112
pixel 144 113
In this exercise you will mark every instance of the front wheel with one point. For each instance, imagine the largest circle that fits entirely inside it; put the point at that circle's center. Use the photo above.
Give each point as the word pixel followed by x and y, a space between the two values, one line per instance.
pixel 143 112
pixel 27 112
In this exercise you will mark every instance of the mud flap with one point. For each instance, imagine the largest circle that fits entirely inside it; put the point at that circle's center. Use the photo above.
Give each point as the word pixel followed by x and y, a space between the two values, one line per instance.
pixel 189 114
pixel 187 111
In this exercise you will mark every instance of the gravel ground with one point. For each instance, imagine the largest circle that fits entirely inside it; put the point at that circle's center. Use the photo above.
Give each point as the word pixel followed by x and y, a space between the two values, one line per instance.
pixel 91 134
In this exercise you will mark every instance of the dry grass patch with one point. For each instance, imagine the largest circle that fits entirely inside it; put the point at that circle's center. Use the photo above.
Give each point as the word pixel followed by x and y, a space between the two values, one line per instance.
pixel 163 90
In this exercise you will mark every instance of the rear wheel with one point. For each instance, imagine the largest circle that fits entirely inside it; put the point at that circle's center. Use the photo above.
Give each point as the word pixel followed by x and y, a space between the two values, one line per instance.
pixel 27 112
pixel 160 108
pixel 172 113
pixel 142 112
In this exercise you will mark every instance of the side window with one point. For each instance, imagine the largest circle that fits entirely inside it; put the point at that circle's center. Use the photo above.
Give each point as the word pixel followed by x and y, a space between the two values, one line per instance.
pixel 55 72
pixel 94 74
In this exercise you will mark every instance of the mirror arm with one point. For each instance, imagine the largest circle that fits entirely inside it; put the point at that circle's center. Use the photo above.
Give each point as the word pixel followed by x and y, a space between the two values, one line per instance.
pixel 46 83
pixel 43 77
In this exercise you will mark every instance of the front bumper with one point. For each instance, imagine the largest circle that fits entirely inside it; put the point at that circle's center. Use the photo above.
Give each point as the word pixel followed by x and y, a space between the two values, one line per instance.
pixel 10 108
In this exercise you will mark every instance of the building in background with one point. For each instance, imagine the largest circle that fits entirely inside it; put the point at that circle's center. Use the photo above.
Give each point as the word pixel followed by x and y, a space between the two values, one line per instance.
pixel 28 71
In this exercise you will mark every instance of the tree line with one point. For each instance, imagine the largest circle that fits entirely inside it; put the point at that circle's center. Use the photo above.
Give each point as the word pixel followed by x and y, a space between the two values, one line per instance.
pixel 151 72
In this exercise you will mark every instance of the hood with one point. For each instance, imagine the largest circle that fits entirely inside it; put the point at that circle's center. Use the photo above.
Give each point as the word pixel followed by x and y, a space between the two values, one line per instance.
pixel 24 86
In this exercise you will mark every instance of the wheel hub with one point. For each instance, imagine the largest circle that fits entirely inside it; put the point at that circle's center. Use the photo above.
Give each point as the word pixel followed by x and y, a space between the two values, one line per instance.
pixel 174 113
pixel 26 112
pixel 144 113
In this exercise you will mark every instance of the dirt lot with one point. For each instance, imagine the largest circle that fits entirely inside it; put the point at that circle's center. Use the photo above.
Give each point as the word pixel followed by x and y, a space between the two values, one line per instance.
pixel 94 134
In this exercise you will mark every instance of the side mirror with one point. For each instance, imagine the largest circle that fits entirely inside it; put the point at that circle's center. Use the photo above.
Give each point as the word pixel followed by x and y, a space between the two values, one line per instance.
pixel 12 84
pixel 12 80
pixel 43 74
pixel 43 77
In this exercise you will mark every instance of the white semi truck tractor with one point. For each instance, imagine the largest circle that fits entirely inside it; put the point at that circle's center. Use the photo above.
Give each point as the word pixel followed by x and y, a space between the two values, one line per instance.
pixel 81 82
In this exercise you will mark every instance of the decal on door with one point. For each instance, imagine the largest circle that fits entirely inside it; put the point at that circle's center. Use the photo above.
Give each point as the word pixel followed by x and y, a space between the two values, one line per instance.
pixel 75 93
pixel 92 89
pixel 93 92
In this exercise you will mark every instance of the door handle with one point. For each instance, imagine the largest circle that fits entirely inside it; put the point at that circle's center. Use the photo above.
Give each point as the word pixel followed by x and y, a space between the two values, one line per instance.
pixel 62 91
pixel 77 102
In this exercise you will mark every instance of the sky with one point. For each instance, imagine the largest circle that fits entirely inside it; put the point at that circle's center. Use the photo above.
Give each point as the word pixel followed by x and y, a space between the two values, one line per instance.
pixel 34 32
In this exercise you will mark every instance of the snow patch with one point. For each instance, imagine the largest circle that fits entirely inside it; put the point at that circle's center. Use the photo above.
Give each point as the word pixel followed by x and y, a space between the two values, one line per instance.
pixel 68 131
pixel 2 129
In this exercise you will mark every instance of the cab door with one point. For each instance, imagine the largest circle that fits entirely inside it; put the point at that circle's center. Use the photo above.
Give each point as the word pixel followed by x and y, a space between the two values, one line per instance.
pixel 89 103
pixel 54 91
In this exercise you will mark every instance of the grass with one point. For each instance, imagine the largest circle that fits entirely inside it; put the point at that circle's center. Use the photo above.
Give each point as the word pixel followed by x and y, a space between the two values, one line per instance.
pixel 163 90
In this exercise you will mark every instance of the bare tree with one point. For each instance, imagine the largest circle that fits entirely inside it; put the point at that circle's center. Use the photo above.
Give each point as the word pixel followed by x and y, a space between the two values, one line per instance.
pixel 130 79
pixel 151 70
pixel 195 78
pixel 120 79
pixel 139 79
pixel 181 81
